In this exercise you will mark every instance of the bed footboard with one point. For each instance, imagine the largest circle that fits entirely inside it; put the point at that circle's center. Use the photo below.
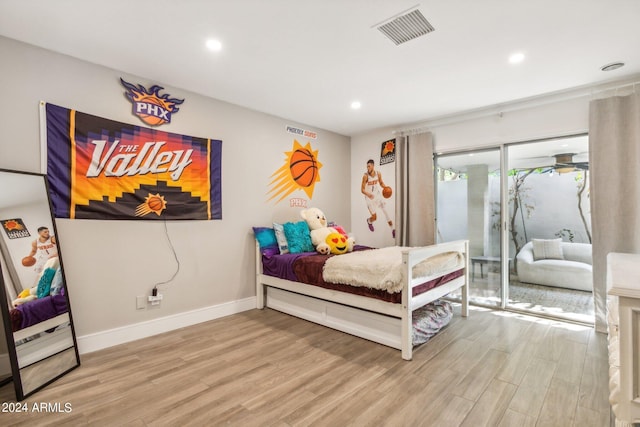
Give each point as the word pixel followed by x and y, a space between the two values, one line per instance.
pixel 410 258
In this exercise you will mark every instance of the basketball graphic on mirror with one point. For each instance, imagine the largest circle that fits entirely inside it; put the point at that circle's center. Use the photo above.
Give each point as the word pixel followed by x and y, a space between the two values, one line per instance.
pixel 28 261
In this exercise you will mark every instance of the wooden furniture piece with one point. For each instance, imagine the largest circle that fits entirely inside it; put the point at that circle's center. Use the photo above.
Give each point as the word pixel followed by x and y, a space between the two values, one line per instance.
pixel 379 321
pixel 623 282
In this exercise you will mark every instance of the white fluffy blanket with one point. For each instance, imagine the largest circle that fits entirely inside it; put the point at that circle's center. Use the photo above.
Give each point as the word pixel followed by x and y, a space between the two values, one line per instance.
pixel 382 268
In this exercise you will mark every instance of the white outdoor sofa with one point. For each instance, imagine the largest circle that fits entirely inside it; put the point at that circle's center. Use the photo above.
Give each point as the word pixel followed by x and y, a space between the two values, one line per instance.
pixel 572 272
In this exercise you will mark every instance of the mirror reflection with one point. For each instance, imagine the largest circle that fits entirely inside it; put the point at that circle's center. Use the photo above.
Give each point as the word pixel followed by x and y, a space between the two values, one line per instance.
pixel 37 319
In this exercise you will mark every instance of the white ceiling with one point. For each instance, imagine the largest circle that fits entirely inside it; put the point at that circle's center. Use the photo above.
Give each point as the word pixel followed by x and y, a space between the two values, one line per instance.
pixel 308 60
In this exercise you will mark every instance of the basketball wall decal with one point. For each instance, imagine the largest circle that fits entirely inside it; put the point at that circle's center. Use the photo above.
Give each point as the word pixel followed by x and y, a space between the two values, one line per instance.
pixel 387 192
pixel 303 167
pixel 28 261
pixel 299 171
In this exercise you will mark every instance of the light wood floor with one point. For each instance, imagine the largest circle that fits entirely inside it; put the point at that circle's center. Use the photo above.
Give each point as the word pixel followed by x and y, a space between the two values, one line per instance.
pixel 266 368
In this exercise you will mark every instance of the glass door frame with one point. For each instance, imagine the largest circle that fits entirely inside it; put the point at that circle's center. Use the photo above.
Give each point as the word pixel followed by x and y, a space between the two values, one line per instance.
pixel 504 265
pixel 504 215
pixel 504 168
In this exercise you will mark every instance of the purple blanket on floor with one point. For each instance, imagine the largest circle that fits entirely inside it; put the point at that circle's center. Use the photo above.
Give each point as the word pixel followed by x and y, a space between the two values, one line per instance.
pixel 41 309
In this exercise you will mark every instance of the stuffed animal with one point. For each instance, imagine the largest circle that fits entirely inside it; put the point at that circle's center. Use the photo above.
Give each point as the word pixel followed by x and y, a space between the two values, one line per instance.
pixel 337 243
pixel 319 231
pixel 25 296
pixel 43 283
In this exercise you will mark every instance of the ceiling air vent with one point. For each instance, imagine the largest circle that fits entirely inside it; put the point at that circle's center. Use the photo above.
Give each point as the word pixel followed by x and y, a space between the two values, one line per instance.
pixel 405 26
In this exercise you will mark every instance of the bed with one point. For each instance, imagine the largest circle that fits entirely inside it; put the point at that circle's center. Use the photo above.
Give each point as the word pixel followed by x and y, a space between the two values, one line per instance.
pixel 38 310
pixel 387 322
pixel 44 301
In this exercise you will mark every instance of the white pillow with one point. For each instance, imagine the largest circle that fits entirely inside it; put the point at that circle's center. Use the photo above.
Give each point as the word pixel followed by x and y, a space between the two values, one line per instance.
pixel 547 249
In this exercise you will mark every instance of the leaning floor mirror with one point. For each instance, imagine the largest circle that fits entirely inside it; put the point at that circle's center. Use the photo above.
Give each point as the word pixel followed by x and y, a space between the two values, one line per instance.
pixel 36 313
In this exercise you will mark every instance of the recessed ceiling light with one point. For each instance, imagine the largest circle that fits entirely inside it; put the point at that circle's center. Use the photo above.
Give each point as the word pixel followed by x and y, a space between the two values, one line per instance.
pixel 612 66
pixel 214 45
pixel 356 105
pixel 516 58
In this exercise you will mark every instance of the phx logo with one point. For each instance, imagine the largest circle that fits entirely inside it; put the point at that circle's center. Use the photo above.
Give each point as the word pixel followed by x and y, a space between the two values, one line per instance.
pixel 15 228
pixel 149 105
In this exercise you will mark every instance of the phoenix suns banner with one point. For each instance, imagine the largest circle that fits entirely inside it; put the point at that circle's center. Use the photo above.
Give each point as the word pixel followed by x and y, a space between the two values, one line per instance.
pixel 102 169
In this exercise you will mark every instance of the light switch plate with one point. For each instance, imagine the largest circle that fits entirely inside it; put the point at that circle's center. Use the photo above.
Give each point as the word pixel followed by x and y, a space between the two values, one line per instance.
pixel 141 302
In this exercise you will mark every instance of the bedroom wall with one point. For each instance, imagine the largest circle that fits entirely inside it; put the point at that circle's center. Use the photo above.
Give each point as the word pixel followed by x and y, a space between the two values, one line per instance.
pixel 520 121
pixel 109 263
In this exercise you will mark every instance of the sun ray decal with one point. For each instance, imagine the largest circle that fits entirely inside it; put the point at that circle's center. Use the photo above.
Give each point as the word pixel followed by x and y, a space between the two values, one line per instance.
pixel 300 171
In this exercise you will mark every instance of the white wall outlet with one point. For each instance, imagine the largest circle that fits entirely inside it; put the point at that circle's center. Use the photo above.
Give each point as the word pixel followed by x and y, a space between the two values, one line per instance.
pixel 141 302
pixel 155 300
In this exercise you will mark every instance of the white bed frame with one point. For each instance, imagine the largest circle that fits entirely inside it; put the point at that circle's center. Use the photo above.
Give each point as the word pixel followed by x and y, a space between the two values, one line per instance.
pixel 379 321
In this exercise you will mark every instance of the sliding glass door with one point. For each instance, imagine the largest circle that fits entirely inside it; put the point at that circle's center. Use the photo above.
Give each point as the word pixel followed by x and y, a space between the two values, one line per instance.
pixel 549 225
pixel 525 210
pixel 468 207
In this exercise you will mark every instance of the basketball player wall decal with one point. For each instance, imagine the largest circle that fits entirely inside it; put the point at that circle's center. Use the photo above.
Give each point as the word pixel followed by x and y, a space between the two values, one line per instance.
pixel 375 191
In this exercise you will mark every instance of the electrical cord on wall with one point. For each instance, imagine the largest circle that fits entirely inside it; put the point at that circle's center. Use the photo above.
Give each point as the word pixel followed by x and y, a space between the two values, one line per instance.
pixel 175 256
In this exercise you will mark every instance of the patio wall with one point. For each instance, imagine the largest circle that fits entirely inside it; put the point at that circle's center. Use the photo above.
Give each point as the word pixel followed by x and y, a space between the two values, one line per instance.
pixel 555 207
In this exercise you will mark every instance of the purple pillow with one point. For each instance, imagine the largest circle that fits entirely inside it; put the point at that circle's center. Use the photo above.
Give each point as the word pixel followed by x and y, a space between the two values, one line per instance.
pixel 266 237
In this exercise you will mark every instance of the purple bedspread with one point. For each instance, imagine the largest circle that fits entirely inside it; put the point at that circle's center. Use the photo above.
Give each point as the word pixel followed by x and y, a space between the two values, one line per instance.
pixel 282 265
pixel 42 309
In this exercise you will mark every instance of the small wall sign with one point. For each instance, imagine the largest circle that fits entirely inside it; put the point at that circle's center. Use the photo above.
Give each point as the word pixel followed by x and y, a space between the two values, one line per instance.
pixel 15 228
pixel 148 105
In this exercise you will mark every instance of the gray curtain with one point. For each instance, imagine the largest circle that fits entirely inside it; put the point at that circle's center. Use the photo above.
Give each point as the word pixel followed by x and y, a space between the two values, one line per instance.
pixel 11 278
pixel 614 158
pixel 415 204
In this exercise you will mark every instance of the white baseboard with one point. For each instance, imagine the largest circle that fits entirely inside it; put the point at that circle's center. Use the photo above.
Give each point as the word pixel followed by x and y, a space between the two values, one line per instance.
pixel 111 337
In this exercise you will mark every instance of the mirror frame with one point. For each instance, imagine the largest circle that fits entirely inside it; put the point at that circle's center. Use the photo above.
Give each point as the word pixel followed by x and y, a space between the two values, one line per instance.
pixel 6 317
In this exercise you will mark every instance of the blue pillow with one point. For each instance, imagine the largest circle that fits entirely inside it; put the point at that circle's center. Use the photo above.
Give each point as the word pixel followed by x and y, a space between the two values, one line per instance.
pixel 56 283
pixel 44 284
pixel 298 237
pixel 265 236
pixel 281 238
